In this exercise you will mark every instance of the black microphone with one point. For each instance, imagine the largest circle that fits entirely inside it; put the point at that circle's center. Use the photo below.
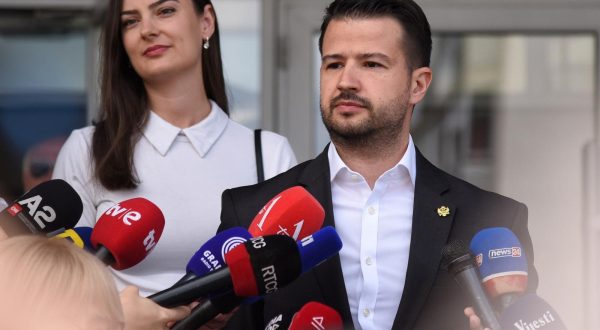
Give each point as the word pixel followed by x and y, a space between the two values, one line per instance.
pixel 49 207
pixel 459 262
pixel 530 312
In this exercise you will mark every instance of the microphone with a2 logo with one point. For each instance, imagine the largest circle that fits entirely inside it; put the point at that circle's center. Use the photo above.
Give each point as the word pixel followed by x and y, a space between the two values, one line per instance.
pixel 504 275
pixel 49 207
pixel 127 232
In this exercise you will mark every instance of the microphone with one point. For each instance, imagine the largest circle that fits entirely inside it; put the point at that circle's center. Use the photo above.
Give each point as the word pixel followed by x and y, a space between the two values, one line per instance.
pixel 49 207
pixel 293 212
pixel 314 315
pixel 211 255
pixel 80 236
pixel 530 312
pixel 258 265
pixel 503 268
pixel 502 264
pixel 313 250
pixel 127 232
pixel 459 262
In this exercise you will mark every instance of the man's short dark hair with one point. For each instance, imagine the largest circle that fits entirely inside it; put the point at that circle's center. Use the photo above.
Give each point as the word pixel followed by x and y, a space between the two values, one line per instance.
pixel 417 41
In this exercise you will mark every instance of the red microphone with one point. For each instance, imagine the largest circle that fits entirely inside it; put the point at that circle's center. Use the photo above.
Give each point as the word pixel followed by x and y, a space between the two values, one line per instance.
pixel 126 233
pixel 293 212
pixel 316 316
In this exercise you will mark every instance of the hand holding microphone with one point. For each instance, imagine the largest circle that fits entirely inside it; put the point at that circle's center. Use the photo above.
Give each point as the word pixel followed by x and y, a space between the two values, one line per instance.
pixel 142 313
pixel 457 259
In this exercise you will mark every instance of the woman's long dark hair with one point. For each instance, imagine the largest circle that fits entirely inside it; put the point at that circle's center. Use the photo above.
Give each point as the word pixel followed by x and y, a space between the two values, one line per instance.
pixel 123 100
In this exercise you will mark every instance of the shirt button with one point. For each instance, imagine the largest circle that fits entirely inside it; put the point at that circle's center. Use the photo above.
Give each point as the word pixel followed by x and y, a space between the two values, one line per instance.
pixel 366 312
pixel 371 210
pixel 369 261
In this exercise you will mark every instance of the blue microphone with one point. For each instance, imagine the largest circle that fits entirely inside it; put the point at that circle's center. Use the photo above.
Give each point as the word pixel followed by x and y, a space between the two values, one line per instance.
pixel 211 255
pixel 318 247
pixel 502 264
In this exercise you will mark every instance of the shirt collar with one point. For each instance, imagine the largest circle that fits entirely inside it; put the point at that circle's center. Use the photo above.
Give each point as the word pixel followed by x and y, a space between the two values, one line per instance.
pixel 203 135
pixel 336 164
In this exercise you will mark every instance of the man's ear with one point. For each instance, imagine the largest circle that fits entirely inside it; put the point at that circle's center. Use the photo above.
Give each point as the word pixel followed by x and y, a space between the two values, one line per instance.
pixel 419 83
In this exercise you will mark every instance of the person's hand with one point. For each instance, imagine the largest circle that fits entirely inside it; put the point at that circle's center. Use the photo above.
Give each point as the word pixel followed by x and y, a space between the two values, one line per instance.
pixel 144 314
pixel 474 321
pixel 218 322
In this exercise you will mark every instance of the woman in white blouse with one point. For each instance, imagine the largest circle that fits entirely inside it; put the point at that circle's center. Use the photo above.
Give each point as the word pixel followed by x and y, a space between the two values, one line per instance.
pixel 163 132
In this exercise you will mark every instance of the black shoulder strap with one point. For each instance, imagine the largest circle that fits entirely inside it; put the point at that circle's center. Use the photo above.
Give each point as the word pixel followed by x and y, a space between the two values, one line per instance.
pixel 260 172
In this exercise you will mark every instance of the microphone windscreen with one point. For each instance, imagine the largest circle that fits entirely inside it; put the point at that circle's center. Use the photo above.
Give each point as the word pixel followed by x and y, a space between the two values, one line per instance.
pixel 456 257
pixel 530 312
pixel 319 247
pixel 501 260
pixel 211 255
pixel 314 315
pixel 129 230
pixel 263 264
pixel 294 212
pixel 498 252
pixel 48 207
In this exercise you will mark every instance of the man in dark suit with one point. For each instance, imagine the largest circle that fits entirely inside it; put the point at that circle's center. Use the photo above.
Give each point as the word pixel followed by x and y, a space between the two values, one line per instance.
pixel 393 210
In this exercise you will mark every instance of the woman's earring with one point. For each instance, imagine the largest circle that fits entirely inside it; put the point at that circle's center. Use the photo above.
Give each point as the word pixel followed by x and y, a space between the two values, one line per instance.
pixel 206 43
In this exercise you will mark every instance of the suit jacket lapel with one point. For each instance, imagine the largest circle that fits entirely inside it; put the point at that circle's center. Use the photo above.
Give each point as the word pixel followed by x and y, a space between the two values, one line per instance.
pixel 316 179
pixel 430 232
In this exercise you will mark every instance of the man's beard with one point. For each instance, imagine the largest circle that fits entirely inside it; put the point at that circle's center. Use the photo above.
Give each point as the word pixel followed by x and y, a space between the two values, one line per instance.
pixel 381 126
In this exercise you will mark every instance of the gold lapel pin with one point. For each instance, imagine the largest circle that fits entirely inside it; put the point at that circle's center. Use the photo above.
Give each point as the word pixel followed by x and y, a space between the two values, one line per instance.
pixel 443 211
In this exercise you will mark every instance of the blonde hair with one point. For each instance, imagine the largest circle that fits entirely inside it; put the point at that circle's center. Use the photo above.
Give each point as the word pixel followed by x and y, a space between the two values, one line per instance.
pixel 53 277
